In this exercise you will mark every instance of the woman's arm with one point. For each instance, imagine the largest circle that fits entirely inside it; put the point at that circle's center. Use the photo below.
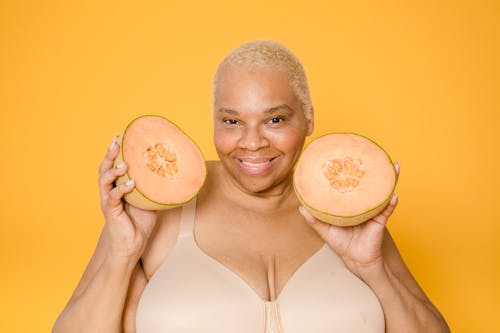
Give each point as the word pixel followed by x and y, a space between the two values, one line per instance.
pixel 405 305
pixel 113 276
pixel 98 302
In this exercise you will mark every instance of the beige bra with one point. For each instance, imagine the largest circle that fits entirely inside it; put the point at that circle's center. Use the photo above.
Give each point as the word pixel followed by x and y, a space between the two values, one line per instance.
pixel 193 293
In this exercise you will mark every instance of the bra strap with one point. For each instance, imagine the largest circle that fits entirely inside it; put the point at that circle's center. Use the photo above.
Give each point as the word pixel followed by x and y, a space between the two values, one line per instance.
pixel 187 218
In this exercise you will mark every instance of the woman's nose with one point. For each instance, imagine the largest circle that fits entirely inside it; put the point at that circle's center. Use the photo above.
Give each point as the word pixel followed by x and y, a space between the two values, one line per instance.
pixel 253 139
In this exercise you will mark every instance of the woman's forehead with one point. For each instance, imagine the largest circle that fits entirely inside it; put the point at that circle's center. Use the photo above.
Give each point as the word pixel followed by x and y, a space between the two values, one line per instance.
pixel 230 70
pixel 248 81
pixel 256 90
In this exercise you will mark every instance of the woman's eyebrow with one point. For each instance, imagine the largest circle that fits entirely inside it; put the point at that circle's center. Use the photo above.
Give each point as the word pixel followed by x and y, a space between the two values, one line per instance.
pixel 230 111
pixel 270 110
pixel 278 108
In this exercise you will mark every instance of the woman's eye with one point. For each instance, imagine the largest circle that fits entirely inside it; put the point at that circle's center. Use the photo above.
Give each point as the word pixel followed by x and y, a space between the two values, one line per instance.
pixel 276 120
pixel 230 121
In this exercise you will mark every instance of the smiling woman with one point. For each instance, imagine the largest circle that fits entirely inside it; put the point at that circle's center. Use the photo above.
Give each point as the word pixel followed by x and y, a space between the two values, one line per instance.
pixel 260 127
pixel 244 255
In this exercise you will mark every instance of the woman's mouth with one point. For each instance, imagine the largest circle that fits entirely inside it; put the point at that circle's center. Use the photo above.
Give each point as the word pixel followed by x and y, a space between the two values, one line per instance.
pixel 256 166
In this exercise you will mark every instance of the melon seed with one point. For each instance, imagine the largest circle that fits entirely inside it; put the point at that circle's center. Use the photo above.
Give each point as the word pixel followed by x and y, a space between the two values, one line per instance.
pixel 161 160
pixel 343 174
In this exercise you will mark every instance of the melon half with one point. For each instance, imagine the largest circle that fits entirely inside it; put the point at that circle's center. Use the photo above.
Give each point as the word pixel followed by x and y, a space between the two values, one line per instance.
pixel 167 166
pixel 344 178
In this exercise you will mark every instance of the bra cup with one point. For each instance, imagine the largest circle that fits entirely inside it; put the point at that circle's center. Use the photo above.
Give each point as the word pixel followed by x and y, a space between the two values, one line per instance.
pixel 324 296
pixel 189 293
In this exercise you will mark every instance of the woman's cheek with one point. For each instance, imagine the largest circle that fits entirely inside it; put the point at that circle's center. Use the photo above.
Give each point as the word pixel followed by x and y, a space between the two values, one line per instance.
pixel 225 140
pixel 290 139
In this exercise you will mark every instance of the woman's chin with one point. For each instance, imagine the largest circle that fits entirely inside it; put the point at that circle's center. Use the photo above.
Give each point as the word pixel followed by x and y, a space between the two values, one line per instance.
pixel 262 185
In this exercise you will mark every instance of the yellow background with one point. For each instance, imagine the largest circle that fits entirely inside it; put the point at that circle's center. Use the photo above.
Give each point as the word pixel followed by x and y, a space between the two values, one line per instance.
pixel 419 77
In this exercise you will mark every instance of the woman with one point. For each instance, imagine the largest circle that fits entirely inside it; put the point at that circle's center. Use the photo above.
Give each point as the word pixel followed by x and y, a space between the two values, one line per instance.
pixel 245 256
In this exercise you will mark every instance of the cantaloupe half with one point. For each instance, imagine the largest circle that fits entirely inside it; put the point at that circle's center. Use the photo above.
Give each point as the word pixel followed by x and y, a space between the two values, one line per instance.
pixel 344 178
pixel 167 166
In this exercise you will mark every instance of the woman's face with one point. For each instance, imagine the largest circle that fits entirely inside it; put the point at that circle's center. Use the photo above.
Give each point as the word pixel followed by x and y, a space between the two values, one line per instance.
pixel 259 127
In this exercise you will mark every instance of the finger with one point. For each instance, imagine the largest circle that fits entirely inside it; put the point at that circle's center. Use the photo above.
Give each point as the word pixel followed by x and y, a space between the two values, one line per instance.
pixel 397 167
pixel 388 210
pixel 114 204
pixel 320 227
pixel 109 158
pixel 106 180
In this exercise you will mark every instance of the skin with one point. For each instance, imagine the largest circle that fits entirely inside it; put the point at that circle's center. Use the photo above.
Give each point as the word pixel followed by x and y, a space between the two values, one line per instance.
pixel 258 120
pixel 247 201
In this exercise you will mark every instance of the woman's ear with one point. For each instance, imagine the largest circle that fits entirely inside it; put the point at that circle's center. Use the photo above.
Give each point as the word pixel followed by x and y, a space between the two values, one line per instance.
pixel 310 121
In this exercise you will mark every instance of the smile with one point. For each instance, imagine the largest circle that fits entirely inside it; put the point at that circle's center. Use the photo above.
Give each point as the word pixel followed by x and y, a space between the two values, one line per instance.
pixel 255 166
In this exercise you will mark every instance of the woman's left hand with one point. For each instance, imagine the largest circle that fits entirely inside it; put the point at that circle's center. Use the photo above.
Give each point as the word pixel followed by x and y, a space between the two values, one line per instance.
pixel 360 246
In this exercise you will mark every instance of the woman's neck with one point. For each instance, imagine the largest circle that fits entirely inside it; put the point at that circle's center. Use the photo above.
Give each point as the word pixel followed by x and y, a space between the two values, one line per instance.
pixel 272 200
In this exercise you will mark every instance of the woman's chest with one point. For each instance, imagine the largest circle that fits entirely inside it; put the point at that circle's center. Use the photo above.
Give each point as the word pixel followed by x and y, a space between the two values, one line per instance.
pixel 264 253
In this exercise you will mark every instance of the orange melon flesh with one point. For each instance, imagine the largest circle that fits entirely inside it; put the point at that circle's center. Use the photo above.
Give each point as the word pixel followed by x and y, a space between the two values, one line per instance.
pixel 344 178
pixel 167 166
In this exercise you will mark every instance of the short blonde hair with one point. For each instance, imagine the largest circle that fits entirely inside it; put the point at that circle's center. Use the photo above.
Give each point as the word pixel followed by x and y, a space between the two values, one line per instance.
pixel 269 54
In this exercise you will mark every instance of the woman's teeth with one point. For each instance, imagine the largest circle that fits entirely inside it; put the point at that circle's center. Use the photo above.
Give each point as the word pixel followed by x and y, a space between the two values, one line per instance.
pixel 255 165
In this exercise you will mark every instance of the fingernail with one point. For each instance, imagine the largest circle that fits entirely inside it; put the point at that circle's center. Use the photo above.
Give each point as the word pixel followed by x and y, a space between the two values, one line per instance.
pixel 130 182
pixel 121 165
pixel 303 211
pixel 113 143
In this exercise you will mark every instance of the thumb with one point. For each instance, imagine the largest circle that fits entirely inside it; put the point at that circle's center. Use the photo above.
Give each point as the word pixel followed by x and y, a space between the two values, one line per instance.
pixel 321 228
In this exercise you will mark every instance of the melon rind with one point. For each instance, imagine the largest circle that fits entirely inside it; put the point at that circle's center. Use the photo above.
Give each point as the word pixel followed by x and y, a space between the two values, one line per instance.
pixel 138 199
pixel 352 220
pixel 345 221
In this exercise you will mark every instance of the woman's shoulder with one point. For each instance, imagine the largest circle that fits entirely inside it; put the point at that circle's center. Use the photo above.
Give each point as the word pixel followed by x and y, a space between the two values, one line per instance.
pixel 214 169
pixel 165 235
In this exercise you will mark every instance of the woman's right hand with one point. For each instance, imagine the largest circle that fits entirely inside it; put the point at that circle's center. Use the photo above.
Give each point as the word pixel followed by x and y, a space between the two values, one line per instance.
pixel 128 228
